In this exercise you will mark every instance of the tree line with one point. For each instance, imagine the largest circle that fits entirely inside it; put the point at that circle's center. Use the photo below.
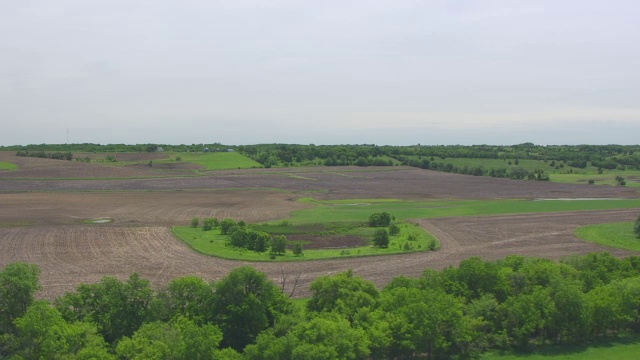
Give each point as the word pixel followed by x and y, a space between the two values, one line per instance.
pixel 460 312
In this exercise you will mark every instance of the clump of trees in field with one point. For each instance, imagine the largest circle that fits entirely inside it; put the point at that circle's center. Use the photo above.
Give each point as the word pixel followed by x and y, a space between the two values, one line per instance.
pixel 636 227
pixel 516 303
pixel 240 236
pixel 46 155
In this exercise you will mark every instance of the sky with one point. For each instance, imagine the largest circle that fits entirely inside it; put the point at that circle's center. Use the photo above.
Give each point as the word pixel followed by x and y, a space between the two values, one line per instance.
pixel 324 72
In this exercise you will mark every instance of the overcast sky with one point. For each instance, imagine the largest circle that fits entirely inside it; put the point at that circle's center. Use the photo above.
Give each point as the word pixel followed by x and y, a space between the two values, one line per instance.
pixel 324 72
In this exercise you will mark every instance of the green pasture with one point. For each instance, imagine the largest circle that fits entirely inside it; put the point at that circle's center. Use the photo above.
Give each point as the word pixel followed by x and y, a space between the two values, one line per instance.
pixel 8 166
pixel 624 348
pixel 361 209
pixel 618 235
pixel 214 244
pixel 487 164
pixel 218 160
pixel 351 211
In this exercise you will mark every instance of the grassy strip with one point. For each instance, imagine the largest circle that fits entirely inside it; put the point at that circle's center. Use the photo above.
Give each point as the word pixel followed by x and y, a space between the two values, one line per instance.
pixel 618 235
pixel 8 166
pixel 625 348
pixel 213 243
pixel 361 209
pixel 219 160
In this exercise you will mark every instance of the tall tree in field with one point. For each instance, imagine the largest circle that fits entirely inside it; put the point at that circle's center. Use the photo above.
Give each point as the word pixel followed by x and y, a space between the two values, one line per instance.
pixel 18 285
pixel 636 227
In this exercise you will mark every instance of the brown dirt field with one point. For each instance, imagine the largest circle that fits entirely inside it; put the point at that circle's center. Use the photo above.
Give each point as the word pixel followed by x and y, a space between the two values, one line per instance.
pixel 41 221
pixel 349 182
pixel 73 254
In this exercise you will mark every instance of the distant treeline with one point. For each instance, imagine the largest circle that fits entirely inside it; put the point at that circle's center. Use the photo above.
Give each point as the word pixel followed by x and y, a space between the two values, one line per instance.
pixel 46 155
pixel 604 156
pixel 110 148
pixel 578 156
pixel 515 303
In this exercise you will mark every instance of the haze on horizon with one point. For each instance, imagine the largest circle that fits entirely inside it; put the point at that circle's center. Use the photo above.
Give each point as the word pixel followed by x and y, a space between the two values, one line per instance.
pixel 331 72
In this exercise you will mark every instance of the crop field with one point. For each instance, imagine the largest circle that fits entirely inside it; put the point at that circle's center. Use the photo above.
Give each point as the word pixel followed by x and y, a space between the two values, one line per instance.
pixel 48 205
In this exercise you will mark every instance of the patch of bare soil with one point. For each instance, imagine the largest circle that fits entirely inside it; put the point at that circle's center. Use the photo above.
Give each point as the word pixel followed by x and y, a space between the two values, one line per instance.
pixel 315 242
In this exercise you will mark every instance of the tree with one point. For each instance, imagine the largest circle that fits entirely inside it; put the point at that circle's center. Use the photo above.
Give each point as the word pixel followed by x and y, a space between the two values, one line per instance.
pixel 18 285
pixel 381 238
pixel 326 336
pixel 116 308
pixel 44 334
pixel 246 303
pixel 195 222
pixel 636 227
pixel 297 250
pixel 208 224
pixel 189 296
pixel 344 294
pixel 178 339
pixel 394 229
pixel 382 219
pixel 226 225
pixel 278 244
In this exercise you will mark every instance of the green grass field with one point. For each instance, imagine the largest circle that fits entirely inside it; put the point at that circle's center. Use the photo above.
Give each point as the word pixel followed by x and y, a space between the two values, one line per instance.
pixel 219 160
pixel 360 209
pixel 8 166
pixel 619 235
pixel 626 348
pixel 213 243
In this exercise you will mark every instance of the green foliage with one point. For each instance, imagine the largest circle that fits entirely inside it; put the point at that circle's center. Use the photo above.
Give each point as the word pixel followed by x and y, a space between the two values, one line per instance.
pixel 226 225
pixel 297 250
pixel 246 303
pixel 381 238
pixel 178 339
pixel 382 219
pixel 344 294
pixel 116 308
pixel 636 227
pixel 18 285
pixel 394 229
pixel 195 222
pixel 322 337
pixel 189 297
pixel 515 303
pixel 278 244
pixel 42 333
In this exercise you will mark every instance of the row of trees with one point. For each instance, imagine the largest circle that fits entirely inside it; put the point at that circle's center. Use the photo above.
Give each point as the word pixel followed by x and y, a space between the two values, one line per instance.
pixel 605 156
pixel 459 312
pixel 47 155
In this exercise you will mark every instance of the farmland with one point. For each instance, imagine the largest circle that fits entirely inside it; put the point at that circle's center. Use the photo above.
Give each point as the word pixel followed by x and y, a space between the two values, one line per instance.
pixel 47 203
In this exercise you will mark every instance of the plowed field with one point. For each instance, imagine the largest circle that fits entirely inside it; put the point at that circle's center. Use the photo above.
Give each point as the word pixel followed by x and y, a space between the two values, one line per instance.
pixel 43 221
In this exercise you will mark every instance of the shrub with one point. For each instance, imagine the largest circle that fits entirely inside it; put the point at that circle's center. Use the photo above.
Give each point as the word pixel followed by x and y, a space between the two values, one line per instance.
pixel 394 229
pixel 381 238
pixel 195 222
pixel 382 219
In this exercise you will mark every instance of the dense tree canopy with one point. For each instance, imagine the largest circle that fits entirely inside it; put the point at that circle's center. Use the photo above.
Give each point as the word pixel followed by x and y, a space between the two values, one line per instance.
pixel 515 303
